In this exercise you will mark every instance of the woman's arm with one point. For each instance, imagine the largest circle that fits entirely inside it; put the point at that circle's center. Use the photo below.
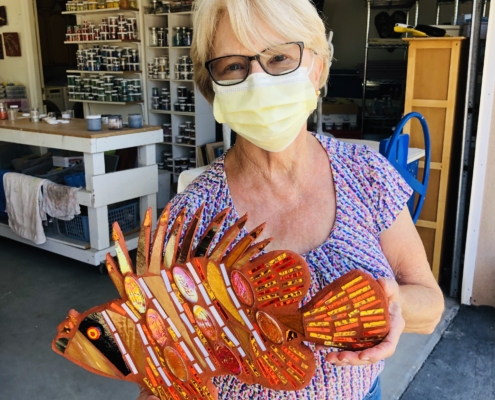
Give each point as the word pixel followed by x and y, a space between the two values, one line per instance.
pixel 415 299
pixel 420 296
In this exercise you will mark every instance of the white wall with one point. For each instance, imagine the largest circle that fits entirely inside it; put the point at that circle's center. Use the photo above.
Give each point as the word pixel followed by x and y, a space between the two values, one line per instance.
pixel 347 18
pixel 479 260
pixel 23 70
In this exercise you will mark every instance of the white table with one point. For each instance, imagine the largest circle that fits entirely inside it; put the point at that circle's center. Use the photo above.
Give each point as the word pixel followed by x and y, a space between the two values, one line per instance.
pixel 413 153
pixel 101 189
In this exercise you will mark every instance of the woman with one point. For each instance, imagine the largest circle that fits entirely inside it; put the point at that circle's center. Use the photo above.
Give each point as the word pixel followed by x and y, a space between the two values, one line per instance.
pixel 342 206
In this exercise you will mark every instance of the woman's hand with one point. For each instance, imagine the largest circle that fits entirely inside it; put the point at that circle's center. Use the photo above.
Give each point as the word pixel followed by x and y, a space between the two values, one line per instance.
pixel 143 395
pixel 387 347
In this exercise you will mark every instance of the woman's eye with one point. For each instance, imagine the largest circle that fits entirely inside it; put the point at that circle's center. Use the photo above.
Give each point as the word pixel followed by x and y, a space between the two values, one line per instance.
pixel 279 58
pixel 233 67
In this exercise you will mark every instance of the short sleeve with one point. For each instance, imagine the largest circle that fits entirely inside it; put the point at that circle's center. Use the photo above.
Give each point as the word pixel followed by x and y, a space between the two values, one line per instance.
pixel 390 192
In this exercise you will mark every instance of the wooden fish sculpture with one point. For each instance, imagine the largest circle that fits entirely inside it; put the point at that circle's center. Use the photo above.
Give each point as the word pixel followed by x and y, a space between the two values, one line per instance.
pixel 188 314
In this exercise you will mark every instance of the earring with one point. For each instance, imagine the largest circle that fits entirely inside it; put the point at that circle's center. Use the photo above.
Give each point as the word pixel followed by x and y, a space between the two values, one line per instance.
pixel 318 92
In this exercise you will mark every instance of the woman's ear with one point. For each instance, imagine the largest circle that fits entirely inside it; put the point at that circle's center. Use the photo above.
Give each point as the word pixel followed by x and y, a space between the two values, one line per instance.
pixel 315 74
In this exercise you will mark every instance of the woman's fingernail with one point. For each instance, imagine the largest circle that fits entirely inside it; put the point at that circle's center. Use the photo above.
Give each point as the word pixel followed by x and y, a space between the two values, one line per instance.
pixel 365 359
pixel 345 360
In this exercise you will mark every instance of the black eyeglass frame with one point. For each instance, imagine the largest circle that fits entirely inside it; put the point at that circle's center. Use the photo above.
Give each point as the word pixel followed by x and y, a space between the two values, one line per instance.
pixel 251 59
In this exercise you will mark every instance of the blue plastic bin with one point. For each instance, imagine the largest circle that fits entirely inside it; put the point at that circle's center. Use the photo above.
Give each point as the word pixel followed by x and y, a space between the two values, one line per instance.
pixel 75 180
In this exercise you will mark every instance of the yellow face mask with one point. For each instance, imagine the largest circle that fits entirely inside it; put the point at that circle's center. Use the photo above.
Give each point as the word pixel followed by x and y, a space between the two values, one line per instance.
pixel 269 111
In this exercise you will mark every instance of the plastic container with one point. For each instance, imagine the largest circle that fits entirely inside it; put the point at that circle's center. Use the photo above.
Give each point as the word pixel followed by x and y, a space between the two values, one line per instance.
pixel 135 121
pixel 93 122
pixel 126 216
pixel 13 111
pixel 114 122
pixel 75 180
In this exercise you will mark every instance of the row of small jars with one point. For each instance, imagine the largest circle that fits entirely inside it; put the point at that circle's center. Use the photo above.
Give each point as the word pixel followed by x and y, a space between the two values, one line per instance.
pixel 186 133
pixel 177 164
pixel 109 51
pixel 80 5
pixel 158 37
pixel 165 6
pixel 111 28
pixel 104 88
pixel 165 104
pixel 160 100
pixel 107 96
pixel 182 36
pixel 160 69
pixel 126 59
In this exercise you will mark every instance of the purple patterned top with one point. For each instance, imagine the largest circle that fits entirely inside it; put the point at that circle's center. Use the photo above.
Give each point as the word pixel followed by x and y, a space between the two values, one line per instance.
pixel 370 194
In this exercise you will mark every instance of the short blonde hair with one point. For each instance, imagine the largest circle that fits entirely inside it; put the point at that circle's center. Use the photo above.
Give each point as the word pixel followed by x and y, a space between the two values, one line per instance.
pixel 293 20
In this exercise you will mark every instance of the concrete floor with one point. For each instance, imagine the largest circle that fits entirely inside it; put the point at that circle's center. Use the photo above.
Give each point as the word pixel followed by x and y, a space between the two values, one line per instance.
pixel 37 289
pixel 462 365
pixel 411 354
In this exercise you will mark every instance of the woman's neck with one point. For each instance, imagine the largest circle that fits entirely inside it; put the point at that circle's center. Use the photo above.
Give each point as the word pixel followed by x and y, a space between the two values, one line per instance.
pixel 246 160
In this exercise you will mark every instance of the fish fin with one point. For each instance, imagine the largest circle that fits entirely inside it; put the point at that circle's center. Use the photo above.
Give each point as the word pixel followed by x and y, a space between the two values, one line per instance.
pixel 143 249
pixel 203 247
pixel 241 247
pixel 227 238
pixel 351 313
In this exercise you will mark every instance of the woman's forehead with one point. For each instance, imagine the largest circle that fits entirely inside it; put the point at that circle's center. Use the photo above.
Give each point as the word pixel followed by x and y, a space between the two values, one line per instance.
pixel 258 37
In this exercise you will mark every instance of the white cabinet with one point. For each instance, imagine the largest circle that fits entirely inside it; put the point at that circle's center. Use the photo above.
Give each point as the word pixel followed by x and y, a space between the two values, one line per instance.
pixel 202 116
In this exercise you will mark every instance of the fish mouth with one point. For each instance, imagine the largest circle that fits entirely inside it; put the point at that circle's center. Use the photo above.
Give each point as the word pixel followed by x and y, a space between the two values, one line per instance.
pixel 84 338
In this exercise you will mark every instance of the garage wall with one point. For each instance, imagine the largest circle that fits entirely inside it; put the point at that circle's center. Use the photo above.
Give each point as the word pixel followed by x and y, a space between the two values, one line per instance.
pixel 347 18
pixel 23 70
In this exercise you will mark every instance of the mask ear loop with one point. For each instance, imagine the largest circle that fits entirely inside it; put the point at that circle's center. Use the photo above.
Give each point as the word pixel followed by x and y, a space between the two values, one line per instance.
pixel 312 63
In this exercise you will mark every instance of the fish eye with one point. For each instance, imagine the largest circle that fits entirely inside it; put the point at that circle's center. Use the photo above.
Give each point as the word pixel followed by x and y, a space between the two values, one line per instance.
pixel 93 332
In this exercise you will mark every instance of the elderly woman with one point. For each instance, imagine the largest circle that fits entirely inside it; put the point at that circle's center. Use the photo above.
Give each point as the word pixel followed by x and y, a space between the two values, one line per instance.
pixel 342 206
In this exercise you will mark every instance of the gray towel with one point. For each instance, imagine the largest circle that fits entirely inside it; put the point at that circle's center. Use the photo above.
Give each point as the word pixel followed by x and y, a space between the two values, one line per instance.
pixel 60 201
pixel 23 197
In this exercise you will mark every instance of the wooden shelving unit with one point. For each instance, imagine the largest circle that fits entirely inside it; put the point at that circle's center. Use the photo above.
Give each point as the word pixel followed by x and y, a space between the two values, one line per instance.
pixel 433 92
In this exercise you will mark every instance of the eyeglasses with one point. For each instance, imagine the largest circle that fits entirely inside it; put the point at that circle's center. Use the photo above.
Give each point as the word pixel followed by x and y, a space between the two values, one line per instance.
pixel 277 60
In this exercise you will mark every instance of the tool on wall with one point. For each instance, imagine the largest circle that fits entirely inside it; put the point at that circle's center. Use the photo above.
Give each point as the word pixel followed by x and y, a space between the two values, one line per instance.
pixel 420 30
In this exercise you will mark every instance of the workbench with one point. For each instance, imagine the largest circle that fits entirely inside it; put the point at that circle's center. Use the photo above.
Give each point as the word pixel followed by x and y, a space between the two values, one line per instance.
pixel 101 188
